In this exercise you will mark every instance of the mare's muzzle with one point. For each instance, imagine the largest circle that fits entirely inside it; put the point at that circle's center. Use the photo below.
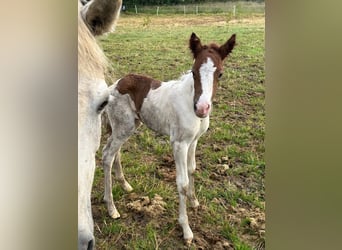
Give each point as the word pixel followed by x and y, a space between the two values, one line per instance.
pixel 86 241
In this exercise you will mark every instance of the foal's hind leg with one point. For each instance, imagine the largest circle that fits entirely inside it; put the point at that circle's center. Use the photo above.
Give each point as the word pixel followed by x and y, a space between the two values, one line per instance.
pixel 191 170
pixel 122 118
pixel 119 175
pixel 111 153
pixel 108 156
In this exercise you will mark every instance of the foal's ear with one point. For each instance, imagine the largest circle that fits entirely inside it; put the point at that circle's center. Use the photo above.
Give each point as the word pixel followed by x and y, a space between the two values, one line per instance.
pixel 195 44
pixel 226 48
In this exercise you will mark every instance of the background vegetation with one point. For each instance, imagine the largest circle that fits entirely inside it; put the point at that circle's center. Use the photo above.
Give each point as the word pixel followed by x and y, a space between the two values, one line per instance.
pixel 175 2
pixel 195 7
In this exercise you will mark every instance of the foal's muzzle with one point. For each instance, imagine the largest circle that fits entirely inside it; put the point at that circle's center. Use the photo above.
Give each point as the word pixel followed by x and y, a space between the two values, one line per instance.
pixel 202 110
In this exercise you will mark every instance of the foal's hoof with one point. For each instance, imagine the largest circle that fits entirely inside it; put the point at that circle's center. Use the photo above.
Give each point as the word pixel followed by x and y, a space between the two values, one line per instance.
pixel 188 242
pixel 115 214
pixel 194 203
pixel 128 188
pixel 125 185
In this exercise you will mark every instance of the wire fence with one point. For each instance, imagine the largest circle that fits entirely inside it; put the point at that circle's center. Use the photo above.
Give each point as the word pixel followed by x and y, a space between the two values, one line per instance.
pixel 235 8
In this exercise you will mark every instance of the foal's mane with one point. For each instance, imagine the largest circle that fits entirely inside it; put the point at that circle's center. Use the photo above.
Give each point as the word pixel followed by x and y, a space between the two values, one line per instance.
pixel 92 63
pixel 185 75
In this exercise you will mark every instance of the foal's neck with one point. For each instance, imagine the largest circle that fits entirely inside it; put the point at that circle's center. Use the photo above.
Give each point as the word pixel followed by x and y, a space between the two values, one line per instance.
pixel 186 81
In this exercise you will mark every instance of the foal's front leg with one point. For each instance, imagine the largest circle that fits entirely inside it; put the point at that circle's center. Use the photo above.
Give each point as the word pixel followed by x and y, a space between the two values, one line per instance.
pixel 180 151
pixel 191 170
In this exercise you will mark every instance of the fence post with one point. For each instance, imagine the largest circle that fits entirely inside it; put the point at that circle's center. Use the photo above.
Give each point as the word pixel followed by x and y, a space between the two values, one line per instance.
pixel 136 9
pixel 234 10
pixel 184 9
pixel 196 9
pixel 157 10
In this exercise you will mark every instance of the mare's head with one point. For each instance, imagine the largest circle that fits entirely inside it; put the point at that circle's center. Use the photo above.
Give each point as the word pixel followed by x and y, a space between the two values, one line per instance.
pixel 207 70
pixel 93 95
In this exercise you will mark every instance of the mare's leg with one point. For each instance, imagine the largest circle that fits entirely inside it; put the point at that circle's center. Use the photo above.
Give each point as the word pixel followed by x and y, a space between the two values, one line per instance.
pixel 180 150
pixel 191 170
pixel 119 175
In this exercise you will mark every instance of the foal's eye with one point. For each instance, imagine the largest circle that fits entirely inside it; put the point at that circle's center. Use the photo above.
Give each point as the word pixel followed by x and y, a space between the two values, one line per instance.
pixel 220 75
pixel 101 107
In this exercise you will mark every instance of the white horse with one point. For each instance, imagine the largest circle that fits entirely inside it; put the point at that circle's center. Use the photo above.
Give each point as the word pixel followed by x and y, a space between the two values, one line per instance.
pixel 177 108
pixel 94 18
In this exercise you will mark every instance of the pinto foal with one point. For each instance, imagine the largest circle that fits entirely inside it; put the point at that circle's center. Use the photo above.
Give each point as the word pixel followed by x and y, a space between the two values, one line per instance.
pixel 177 108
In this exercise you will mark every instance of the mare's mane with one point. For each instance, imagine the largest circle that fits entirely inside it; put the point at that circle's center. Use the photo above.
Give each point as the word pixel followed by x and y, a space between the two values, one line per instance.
pixel 92 63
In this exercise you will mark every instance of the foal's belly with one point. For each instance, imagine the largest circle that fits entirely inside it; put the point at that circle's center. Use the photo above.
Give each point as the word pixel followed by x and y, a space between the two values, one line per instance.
pixel 156 119
pixel 162 114
pixel 171 124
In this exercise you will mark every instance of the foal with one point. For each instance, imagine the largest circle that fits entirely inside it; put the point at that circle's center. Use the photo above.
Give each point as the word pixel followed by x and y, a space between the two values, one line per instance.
pixel 177 108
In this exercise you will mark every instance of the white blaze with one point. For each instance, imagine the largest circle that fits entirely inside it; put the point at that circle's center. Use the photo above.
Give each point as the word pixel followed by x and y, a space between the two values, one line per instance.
pixel 207 79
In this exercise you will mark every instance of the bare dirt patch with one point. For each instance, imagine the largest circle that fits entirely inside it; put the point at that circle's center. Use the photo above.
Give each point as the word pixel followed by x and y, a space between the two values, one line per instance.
pixel 151 207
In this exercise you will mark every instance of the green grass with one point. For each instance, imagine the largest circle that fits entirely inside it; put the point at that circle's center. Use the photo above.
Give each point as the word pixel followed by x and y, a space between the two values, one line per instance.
pixel 229 197
pixel 230 233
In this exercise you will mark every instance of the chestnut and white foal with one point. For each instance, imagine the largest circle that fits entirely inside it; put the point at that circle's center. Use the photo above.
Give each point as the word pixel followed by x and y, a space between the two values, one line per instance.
pixel 177 108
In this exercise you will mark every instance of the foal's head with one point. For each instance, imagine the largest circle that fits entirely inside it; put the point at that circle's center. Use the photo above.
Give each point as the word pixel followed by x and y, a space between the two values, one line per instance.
pixel 207 70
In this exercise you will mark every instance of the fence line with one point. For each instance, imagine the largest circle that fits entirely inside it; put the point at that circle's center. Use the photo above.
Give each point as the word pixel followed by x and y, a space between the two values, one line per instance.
pixel 234 8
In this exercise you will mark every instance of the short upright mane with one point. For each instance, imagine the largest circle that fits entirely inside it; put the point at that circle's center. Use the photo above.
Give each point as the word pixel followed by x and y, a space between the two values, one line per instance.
pixel 92 62
pixel 185 75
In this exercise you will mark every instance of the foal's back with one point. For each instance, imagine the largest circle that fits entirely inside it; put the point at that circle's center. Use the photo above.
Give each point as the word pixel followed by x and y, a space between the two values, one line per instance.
pixel 162 106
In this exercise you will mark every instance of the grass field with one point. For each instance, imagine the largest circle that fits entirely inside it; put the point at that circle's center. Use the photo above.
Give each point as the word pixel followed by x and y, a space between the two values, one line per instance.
pixel 230 156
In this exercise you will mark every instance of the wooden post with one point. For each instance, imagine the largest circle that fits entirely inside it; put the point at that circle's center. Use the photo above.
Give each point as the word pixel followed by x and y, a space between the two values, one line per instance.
pixel 196 9
pixel 157 10
pixel 184 10
pixel 234 10
pixel 136 9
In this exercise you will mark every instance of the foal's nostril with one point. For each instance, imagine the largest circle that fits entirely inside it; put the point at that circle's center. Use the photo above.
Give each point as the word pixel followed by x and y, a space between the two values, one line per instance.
pixel 206 108
pixel 90 245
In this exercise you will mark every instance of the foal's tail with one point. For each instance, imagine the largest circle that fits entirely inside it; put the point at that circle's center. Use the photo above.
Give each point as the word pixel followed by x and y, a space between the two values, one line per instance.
pixel 105 123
